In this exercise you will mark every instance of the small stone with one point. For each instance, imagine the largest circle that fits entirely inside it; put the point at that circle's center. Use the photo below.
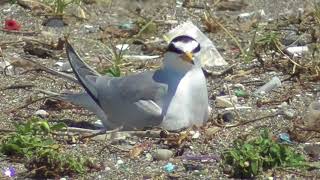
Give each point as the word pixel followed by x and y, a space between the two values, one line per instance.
pixel 98 123
pixel 162 154
pixel 149 157
pixel 119 162
pixel 289 113
pixel 211 131
pixel 228 117
pixel 283 105
pixel 239 86
pixel 63 66
pixel 41 113
pixel 195 134
pixel 57 22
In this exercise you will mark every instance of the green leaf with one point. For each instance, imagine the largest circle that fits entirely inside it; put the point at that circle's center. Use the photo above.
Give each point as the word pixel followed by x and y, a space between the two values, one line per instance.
pixel 254 167
pixel 58 127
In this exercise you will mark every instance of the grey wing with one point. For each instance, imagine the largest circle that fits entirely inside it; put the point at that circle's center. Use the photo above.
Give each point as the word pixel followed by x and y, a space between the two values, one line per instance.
pixel 85 75
pixel 140 90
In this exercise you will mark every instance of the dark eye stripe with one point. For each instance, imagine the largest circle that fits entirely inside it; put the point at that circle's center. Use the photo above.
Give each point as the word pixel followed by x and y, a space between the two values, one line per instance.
pixel 172 48
pixel 197 49
pixel 185 40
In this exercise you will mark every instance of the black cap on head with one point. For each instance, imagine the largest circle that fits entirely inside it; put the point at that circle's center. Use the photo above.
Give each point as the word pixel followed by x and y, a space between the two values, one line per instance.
pixel 182 44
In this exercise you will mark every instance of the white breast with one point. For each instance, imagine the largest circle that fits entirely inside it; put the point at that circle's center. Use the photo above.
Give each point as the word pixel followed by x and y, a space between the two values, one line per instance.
pixel 189 105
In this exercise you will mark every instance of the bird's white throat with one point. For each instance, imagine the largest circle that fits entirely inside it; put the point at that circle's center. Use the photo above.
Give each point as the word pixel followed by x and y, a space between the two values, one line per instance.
pixel 174 62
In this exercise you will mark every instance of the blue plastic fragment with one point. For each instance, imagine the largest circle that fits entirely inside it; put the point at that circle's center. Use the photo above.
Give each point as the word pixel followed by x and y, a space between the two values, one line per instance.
pixel 169 168
pixel 284 137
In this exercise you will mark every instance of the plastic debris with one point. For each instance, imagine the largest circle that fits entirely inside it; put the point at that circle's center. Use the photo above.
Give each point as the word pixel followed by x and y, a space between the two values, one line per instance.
pixel 9 172
pixel 241 93
pixel 122 47
pixel 284 137
pixel 11 25
pixel 238 108
pixel 272 84
pixel 225 101
pixel 297 50
pixel 209 55
pixel 140 57
pixel 169 168
pixel 127 26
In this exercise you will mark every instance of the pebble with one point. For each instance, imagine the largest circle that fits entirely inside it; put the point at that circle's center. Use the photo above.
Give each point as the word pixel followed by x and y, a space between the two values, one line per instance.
pixel 41 113
pixel 98 123
pixel 195 134
pixel 289 113
pixel 239 86
pixel 162 154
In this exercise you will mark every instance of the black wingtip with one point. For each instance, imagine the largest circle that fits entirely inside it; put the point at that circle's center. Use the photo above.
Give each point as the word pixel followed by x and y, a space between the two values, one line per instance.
pixel 76 62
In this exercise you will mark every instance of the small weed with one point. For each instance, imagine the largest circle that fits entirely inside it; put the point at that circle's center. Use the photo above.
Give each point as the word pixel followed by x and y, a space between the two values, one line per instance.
pixel 33 143
pixel 116 60
pixel 316 12
pixel 146 26
pixel 251 157
pixel 59 6
pixel 270 41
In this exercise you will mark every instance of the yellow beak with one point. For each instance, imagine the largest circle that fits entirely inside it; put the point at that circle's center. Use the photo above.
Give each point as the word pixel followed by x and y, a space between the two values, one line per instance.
pixel 188 56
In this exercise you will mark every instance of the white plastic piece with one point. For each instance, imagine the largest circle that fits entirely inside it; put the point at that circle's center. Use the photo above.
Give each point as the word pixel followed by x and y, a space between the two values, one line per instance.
pixel 140 57
pixel 224 101
pixel 6 66
pixel 122 47
pixel 209 55
pixel 272 84
pixel 297 50
pixel 64 67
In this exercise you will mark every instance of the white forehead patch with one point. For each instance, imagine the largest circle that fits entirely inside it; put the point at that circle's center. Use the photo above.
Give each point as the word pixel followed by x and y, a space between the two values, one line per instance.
pixel 186 46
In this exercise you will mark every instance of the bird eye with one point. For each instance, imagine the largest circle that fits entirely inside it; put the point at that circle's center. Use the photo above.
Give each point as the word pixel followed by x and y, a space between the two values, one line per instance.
pixel 197 49
pixel 173 48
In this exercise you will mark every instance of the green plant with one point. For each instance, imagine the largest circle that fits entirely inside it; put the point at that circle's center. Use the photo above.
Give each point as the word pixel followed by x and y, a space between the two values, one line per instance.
pixel 270 40
pixel 316 12
pixel 33 143
pixel 116 60
pixel 59 6
pixel 251 157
